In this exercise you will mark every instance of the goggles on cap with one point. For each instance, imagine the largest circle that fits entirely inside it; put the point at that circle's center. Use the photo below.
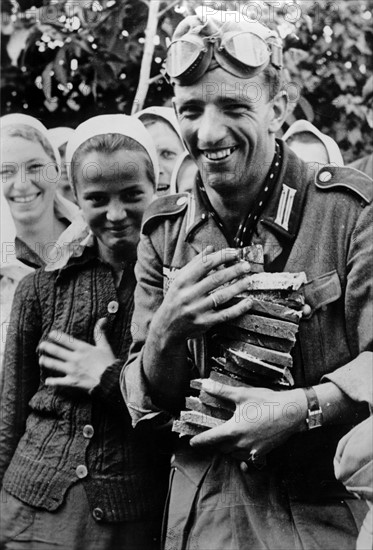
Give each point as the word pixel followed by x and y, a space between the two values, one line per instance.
pixel 241 53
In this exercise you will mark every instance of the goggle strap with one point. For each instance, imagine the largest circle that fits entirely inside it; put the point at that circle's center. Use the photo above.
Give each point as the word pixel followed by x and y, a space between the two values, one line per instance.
pixel 194 65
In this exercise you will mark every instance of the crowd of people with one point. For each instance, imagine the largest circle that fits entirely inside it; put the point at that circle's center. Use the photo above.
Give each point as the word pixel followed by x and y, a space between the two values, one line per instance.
pixel 121 246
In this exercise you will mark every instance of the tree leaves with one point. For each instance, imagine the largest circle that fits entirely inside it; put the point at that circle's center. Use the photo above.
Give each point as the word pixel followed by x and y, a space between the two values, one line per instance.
pixel 83 58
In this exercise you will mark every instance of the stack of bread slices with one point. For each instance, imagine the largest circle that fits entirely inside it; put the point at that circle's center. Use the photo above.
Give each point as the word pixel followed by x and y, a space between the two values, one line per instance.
pixel 251 350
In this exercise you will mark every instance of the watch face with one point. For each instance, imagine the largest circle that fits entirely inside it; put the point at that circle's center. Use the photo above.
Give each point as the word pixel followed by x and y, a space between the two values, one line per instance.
pixel 314 419
pixel 314 413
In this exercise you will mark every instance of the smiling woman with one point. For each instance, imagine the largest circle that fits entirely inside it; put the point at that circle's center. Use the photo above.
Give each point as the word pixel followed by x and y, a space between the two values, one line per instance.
pixel 33 214
pixel 112 176
pixel 30 170
pixel 97 483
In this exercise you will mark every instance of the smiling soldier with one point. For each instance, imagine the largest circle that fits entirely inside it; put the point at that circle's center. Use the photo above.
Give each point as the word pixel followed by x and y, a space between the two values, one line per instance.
pixel 251 189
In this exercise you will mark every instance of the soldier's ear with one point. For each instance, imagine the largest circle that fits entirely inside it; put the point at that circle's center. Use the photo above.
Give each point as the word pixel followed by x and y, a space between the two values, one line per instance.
pixel 279 111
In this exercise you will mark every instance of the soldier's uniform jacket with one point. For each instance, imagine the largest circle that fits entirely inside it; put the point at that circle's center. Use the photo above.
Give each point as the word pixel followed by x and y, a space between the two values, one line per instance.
pixel 320 224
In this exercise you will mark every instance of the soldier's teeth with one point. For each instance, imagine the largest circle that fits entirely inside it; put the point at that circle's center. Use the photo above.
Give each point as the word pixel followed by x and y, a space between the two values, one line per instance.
pixel 218 155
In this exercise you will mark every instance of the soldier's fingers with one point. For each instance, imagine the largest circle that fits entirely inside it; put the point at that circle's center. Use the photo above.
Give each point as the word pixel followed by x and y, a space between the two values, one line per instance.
pixel 204 262
pixel 236 394
pixel 215 437
pixel 220 297
pixel 222 276
pixel 224 315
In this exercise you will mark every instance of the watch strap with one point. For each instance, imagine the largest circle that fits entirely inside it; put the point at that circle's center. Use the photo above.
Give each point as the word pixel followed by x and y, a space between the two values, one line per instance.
pixel 314 413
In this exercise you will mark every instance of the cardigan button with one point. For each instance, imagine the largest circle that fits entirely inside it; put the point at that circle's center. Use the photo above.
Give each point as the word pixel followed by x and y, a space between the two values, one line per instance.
pixel 98 514
pixel 81 471
pixel 113 306
pixel 88 431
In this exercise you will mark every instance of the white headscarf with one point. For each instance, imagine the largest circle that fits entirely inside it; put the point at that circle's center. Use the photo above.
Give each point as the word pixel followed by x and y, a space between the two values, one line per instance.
pixel 112 124
pixel 299 126
pixel 166 113
pixel 124 125
pixel 181 160
pixel 60 135
pixel 19 118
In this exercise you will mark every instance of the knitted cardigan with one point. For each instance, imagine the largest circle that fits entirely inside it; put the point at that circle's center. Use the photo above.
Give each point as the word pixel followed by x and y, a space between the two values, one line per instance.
pixel 52 438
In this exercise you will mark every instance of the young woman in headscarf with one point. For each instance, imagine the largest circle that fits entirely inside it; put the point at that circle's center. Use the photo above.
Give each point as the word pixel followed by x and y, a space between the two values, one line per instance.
pixel 183 174
pixel 163 126
pixel 311 145
pixel 33 214
pixel 77 475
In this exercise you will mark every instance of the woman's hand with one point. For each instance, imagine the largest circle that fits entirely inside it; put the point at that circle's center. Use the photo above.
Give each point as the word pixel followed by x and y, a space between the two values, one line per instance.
pixel 81 365
pixel 263 420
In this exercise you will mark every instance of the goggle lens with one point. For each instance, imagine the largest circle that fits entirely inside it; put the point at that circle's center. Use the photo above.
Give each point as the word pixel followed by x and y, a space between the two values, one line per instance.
pixel 243 54
pixel 181 56
pixel 249 49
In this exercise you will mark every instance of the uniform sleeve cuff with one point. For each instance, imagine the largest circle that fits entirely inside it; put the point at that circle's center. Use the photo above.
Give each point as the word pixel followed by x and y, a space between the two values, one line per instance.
pixel 137 398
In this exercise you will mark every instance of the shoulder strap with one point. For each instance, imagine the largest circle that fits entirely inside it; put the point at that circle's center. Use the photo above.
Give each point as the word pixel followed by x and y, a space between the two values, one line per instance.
pixel 170 205
pixel 345 178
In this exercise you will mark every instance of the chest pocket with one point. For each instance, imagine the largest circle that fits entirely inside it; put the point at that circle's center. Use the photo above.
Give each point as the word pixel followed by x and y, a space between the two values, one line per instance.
pixel 323 290
pixel 322 334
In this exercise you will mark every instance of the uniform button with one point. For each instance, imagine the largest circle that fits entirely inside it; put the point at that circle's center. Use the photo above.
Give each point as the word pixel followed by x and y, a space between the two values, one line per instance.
pixel 325 176
pixel 88 431
pixel 181 200
pixel 98 514
pixel 81 471
pixel 113 307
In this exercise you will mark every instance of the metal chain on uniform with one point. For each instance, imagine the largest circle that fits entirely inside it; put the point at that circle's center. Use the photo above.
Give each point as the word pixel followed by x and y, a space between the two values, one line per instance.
pixel 247 226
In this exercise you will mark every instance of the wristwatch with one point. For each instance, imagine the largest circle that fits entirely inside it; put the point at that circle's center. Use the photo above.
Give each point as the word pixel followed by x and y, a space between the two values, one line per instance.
pixel 314 413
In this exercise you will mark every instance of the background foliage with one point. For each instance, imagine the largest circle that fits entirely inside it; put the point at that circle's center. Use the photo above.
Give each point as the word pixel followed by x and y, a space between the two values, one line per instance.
pixel 66 60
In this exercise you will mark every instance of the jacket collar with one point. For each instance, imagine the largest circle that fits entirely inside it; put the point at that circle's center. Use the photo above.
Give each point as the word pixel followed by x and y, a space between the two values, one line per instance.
pixel 64 210
pixel 71 244
pixel 26 255
pixel 197 213
pixel 79 253
pixel 283 212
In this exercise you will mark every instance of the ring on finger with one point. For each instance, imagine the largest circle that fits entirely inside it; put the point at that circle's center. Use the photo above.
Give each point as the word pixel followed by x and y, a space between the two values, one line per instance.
pixel 254 457
pixel 257 460
pixel 215 304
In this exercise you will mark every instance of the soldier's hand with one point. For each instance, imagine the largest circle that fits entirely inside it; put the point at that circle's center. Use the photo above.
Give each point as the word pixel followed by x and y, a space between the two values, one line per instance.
pixel 263 420
pixel 196 299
